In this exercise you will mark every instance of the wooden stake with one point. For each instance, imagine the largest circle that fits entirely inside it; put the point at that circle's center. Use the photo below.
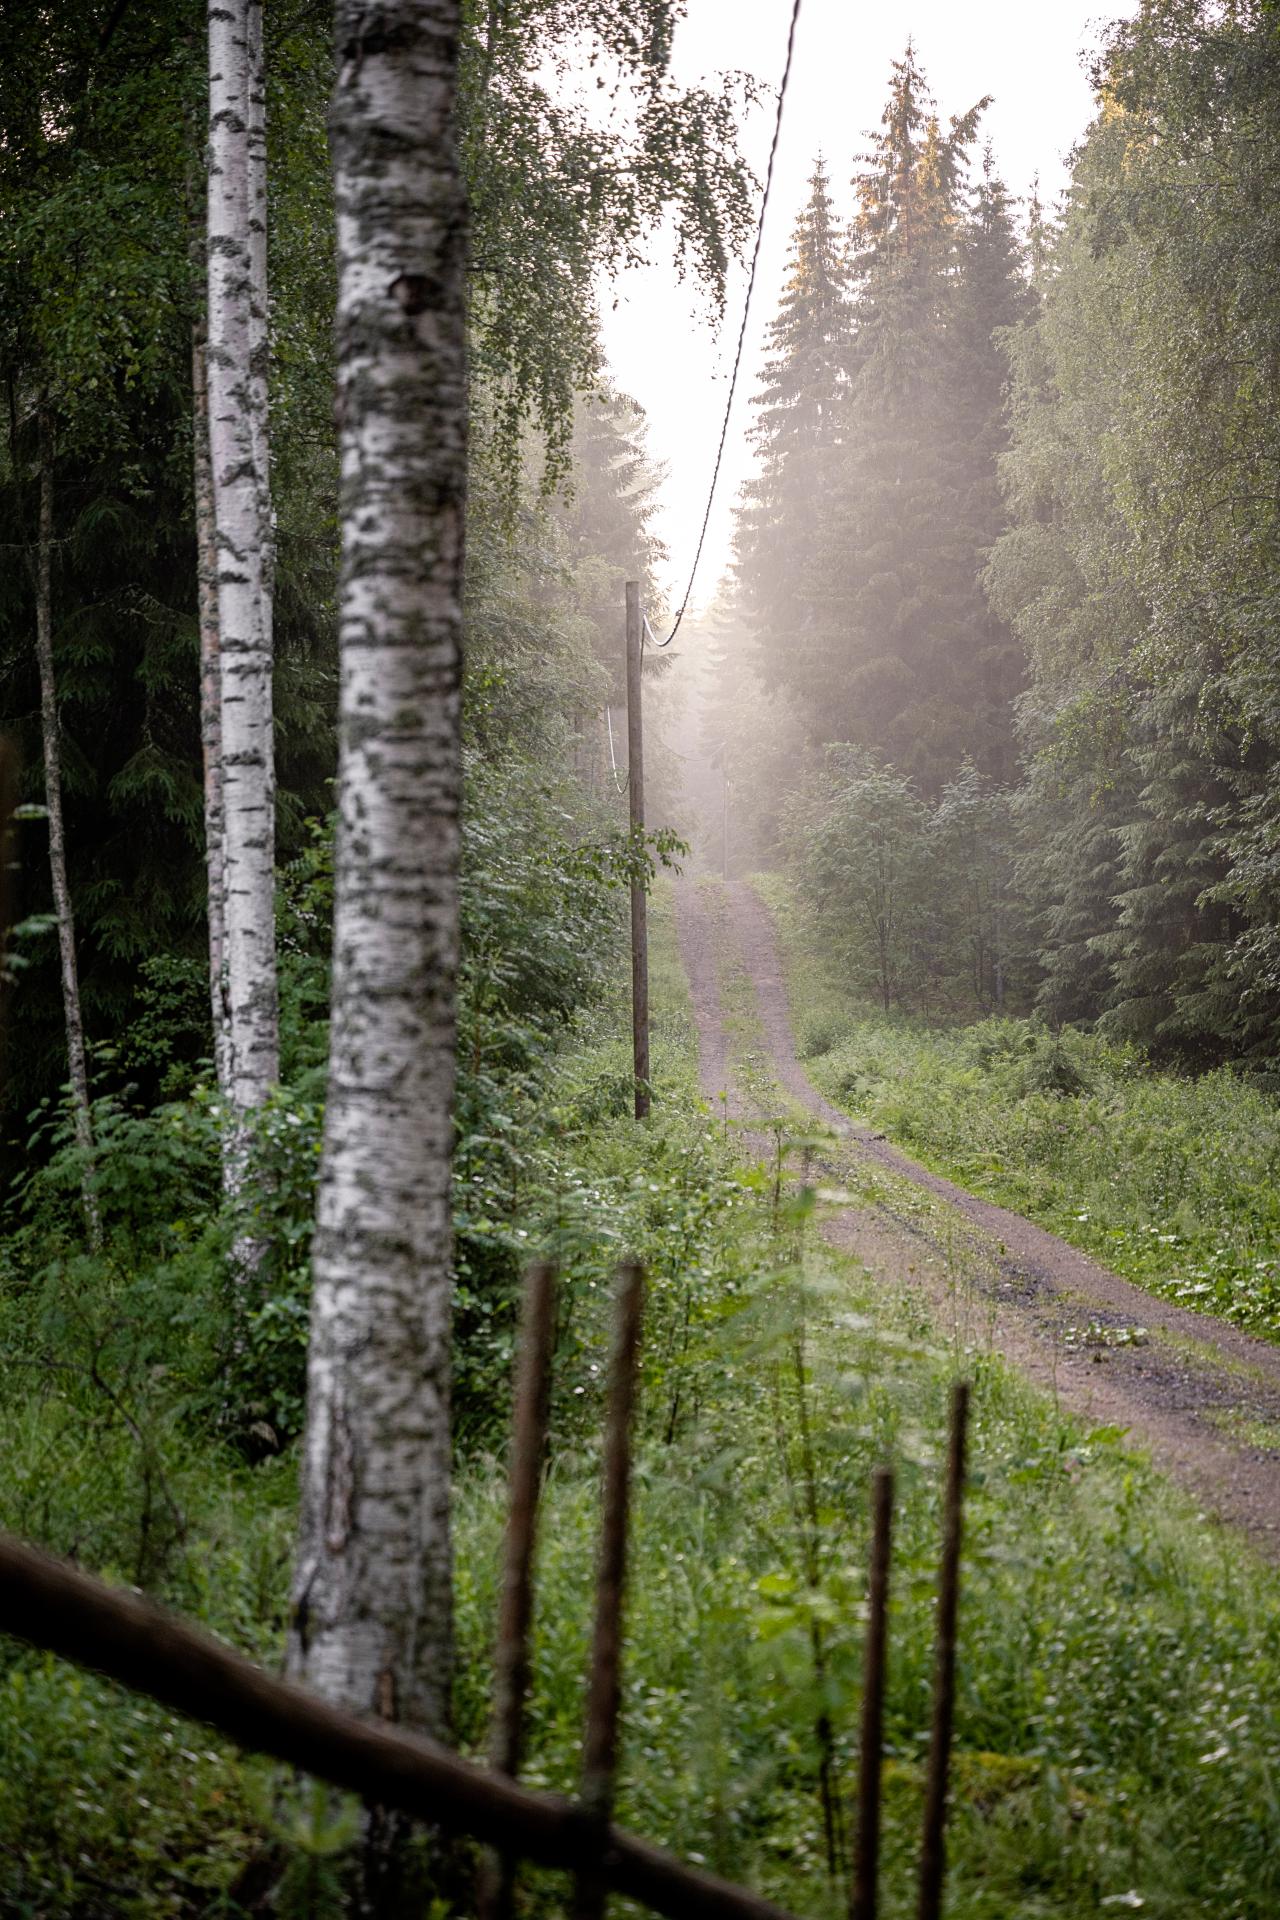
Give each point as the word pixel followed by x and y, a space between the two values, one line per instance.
pixel 511 1663
pixel 933 1846
pixel 639 903
pixel 604 1691
pixel 866 1858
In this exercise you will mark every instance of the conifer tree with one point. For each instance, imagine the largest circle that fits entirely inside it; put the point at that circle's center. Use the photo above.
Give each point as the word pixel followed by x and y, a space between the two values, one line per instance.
pixel 1138 564
pixel 607 518
pixel 991 297
pixel 1166 952
pixel 782 526
pixel 904 568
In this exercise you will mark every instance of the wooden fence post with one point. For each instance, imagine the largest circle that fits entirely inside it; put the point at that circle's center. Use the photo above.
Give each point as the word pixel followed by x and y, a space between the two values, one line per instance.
pixel 604 1691
pixel 511 1661
pixel 866 1859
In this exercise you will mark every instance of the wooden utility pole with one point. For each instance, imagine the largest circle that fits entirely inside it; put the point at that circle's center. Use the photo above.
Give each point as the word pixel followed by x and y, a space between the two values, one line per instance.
pixel 639 904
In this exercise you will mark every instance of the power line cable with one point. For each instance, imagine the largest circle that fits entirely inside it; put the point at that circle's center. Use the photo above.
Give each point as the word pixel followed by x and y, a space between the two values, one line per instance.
pixel 620 783
pixel 742 332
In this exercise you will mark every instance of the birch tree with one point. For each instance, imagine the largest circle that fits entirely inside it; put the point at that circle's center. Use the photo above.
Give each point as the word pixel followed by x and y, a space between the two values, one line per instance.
pixel 237 425
pixel 50 733
pixel 210 698
pixel 371 1625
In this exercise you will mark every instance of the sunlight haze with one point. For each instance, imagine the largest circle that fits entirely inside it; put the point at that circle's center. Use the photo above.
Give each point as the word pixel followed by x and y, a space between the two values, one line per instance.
pixel 659 346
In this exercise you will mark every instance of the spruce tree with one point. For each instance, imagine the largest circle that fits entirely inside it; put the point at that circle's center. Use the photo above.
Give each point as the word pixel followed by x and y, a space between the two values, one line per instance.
pixel 902 573
pixel 1139 565
pixel 991 297
pixel 783 527
pixel 1170 986
pixel 607 519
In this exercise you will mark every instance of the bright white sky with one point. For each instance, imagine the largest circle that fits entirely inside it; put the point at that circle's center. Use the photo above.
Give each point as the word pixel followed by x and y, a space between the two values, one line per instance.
pixel 1026 53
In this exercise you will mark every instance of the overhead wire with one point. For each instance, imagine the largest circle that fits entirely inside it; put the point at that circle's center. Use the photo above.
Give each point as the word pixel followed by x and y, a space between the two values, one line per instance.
pixel 742 336
pixel 619 782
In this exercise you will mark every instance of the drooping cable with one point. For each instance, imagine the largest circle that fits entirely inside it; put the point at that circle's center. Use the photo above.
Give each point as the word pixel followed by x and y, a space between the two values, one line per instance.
pixel 742 334
pixel 619 782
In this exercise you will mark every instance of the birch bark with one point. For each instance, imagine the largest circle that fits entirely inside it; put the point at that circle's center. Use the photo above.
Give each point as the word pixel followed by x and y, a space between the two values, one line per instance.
pixel 372 1614
pixel 237 443
pixel 210 703
pixel 259 340
pixel 50 731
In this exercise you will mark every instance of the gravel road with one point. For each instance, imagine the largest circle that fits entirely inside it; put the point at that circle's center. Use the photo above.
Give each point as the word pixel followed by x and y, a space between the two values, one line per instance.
pixel 1191 1390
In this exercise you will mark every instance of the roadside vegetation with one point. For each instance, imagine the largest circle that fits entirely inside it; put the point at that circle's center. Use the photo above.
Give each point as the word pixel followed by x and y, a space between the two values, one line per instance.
pixel 1170 1179
pixel 1116 1739
pixel 993 679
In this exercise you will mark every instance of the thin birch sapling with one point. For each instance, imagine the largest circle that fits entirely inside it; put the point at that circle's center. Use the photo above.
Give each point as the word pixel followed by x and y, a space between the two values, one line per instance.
pixel 50 735
pixel 237 445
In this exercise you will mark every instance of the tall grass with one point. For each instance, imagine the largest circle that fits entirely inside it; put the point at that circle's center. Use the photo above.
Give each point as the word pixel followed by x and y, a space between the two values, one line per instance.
pixel 1170 1180
pixel 1117 1743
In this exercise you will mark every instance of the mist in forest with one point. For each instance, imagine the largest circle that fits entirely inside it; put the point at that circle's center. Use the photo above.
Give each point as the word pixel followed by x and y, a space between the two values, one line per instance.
pixel 639 934
pixel 965 677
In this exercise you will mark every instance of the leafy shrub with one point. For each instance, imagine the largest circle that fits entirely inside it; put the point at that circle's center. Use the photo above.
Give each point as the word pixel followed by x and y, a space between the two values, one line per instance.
pixel 1170 1179
pixel 818 1032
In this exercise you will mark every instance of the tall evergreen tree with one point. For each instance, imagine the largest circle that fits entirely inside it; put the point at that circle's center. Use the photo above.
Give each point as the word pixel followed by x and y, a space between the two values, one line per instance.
pixel 991 296
pixel 1077 616
pixel 782 522
pixel 903 572
pixel 607 518
pixel 1139 567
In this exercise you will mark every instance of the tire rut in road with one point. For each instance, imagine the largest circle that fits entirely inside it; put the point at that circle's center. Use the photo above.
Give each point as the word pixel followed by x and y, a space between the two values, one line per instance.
pixel 1112 1353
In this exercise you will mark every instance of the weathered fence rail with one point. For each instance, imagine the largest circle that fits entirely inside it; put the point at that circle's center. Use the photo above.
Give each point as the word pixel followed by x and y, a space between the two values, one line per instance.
pixel 131 1640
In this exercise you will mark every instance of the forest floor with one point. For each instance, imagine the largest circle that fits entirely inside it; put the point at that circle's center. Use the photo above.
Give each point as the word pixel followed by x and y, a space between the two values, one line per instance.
pixel 1202 1397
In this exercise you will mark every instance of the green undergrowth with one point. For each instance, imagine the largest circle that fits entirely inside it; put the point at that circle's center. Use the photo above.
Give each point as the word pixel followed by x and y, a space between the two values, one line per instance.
pixel 1116 1740
pixel 1172 1181
pixel 1110 1639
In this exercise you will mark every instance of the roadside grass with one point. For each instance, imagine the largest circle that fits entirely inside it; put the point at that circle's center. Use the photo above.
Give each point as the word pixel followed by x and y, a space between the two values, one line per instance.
pixel 1116 1734
pixel 1173 1182
pixel 1248 1430
pixel 1117 1745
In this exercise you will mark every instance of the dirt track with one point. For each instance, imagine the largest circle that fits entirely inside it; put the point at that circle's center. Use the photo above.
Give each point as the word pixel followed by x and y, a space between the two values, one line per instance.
pixel 1111 1352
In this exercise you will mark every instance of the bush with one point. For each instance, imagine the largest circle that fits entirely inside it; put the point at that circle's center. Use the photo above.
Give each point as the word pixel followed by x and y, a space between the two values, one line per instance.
pixel 818 1032
pixel 1171 1180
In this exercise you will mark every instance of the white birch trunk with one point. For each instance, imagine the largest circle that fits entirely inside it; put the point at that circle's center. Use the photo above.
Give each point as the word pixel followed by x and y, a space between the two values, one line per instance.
pixel 210 705
pixel 237 439
pixel 372 1602
pixel 50 736
pixel 259 335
